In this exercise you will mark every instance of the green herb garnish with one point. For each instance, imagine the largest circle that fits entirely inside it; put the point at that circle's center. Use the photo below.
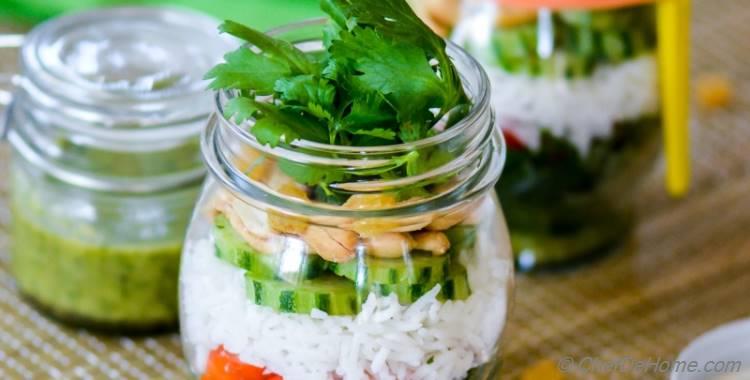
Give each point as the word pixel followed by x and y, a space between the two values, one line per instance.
pixel 384 78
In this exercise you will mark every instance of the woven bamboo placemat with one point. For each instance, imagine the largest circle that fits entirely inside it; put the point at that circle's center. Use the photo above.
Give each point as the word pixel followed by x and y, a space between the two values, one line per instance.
pixel 685 270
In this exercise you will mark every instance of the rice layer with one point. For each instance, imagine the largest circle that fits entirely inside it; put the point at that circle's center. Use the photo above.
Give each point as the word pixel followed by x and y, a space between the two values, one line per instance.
pixel 428 339
pixel 579 110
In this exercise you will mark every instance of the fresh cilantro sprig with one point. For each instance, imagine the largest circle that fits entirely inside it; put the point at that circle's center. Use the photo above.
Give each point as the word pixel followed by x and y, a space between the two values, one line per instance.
pixel 384 78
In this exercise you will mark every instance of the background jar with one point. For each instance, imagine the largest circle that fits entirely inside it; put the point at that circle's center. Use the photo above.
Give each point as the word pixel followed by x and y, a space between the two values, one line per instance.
pixel 274 276
pixel 105 162
pixel 576 93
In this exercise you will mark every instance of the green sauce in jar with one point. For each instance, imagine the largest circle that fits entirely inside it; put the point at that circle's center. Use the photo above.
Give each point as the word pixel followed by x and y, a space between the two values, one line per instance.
pixel 100 285
pixel 106 164
pixel 104 261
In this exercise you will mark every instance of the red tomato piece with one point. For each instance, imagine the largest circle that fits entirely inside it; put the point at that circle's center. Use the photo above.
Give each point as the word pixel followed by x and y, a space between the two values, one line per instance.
pixel 223 365
pixel 512 140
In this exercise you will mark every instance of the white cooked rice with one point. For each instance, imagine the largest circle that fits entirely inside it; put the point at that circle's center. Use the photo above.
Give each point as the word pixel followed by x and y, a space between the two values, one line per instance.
pixel 384 341
pixel 579 110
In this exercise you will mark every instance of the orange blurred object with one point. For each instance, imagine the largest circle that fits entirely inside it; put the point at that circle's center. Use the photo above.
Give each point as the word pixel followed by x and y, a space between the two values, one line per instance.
pixel 714 91
pixel 439 15
pixel 509 17
pixel 223 365
pixel 442 15
pixel 572 4
pixel 543 370
pixel 444 12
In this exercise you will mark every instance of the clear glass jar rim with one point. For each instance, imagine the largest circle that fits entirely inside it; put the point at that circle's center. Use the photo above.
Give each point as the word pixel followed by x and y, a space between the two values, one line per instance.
pixel 253 194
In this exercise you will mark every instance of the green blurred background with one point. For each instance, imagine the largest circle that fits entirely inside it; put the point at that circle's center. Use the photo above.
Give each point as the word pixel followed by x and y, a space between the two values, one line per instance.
pixel 261 14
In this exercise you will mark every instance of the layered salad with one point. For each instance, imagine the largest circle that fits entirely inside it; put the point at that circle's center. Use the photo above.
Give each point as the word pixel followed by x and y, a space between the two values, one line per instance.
pixel 330 263
pixel 576 95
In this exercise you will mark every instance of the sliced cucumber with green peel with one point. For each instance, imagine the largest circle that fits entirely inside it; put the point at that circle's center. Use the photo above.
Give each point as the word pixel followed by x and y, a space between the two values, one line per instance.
pixel 453 286
pixel 582 39
pixel 406 293
pixel 615 46
pixel 420 268
pixel 576 18
pixel 456 286
pixel 638 42
pixel 331 294
pixel 231 248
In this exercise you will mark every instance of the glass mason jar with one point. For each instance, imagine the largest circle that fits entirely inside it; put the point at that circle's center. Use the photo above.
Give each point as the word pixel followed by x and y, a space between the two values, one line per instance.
pixel 374 286
pixel 577 98
pixel 105 162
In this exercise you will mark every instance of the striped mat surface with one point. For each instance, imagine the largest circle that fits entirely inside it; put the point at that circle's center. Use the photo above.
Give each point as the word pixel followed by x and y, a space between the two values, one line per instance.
pixel 685 270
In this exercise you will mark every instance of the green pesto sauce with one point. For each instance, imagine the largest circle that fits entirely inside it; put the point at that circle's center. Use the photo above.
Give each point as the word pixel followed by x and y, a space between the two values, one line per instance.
pixel 107 286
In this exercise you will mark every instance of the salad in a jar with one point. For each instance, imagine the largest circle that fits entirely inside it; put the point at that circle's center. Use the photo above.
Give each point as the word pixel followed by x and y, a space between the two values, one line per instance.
pixel 349 228
pixel 576 95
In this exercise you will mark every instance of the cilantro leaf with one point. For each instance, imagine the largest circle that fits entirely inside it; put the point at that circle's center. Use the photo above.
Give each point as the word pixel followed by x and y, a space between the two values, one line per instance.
pixel 273 126
pixel 394 17
pixel 369 110
pixel 410 131
pixel 305 90
pixel 241 108
pixel 282 50
pixel 382 78
pixel 311 174
pixel 396 20
pixel 313 96
pixel 393 164
pixel 332 70
pixel 336 12
pixel 385 134
pixel 400 71
pixel 276 126
pixel 431 158
pixel 272 132
pixel 245 69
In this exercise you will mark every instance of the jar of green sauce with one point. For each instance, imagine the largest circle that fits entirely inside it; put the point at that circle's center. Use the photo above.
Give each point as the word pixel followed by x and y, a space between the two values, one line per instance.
pixel 105 162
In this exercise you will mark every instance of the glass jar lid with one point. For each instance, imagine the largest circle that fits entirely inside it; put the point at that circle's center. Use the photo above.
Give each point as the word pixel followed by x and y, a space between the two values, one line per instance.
pixel 114 99
pixel 124 67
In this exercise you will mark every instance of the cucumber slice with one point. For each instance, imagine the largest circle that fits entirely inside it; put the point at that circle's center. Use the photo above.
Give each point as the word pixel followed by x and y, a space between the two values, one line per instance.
pixel 231 248
pixel 614 46
pixel 512 43
pixel 511 49
pixel 423 268
pixel 576 18
pixel 331 294
pixel 638 43
pixel 585 42
pixel 406 293
pixel 578 66
pixel 454 286
pixel 608 20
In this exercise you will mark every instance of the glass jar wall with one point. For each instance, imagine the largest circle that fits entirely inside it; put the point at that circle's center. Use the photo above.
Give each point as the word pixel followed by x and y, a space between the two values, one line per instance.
pixel 106 164
pixel 378 284
pixel 97 259
pixel 576 95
